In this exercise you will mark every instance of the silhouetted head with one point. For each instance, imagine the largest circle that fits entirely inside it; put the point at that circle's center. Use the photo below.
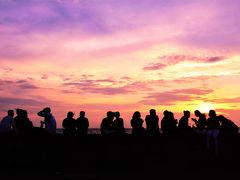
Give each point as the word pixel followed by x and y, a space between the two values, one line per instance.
pixel 186 113
pixel 117 114
pixel 170 115
pixel 212 113
pixel 47 110
pixel 82 113
pixel 222 118
pixel 165 113
pixel 110 114
pixel 152 112
pixel 70 114
pixel 197 113
pixel 19 111
pixel 136 115
pixel 24 114
pixel 10 113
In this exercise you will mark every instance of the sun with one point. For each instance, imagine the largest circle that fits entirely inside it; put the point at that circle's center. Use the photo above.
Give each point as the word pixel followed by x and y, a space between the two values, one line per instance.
pixel 205 107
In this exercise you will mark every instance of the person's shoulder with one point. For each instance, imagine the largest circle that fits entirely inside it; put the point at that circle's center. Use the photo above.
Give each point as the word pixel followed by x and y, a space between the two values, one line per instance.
pixel 104 119
pixel 164 118
pixel 182 118
pixel 147 117
pixel 5 117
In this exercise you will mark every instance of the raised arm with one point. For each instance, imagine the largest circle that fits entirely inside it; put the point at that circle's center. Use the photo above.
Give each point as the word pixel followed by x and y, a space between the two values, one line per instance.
pixel 41 113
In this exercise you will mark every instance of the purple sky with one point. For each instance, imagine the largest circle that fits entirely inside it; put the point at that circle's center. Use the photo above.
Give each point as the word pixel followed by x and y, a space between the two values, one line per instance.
pixel 126 55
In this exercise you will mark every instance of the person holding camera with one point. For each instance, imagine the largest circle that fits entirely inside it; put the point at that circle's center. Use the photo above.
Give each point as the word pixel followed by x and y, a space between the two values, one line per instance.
pixel 49 122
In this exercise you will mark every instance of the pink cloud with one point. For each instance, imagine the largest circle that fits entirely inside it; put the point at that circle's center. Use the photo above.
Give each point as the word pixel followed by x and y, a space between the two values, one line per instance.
pixel 176 95
pixel 127 78
pixel 91 86
pixel 20 101
pixel 215 59
pixel 109 90
pixel 154 66
pixel 164 99
pixel 6 70
pixel 97 86
pixel 168 60
pixel 18 84
pixel 175 59
pixel 44 76
pixel 227 100
pixel 138 86
pixel 66 77
pixel 192 91
pixel 105 80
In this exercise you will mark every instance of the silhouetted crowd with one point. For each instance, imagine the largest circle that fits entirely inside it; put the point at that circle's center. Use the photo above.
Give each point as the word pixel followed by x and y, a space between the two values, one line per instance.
pixel 210 127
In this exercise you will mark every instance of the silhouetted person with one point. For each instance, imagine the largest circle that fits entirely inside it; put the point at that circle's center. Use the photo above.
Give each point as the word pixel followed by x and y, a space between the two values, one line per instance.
pixel 213 126
pixel 200 129
pixel 137 124
pixel 22 122
pixel 118 124
pixel 49 120
pixel 82 124
pixel 168 123
pixel 152 122
pixel 6 125
pixel 183 124
pixel 228 127
pixel 68 124
pixel 107 124
pixel 200 122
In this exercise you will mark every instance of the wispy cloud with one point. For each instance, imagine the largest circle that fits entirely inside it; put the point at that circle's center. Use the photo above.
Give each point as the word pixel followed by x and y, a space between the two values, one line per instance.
pixel 21 84
pixel 169 60
pixel 44 76
pixel 94 86
pixel 154 66
pixel 175 59
pixel 174 96
pixel 227 100
pixel 20 101
pixel 107 86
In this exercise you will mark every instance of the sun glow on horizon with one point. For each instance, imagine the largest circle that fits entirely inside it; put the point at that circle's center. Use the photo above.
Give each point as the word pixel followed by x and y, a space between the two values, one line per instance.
pixel 205 107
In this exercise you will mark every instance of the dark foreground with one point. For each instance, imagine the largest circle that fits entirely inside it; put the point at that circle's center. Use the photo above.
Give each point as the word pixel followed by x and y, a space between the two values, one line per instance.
pixel 117 157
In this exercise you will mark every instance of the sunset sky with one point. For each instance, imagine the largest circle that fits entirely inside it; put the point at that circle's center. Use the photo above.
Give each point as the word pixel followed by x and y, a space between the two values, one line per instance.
pixel 128 55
